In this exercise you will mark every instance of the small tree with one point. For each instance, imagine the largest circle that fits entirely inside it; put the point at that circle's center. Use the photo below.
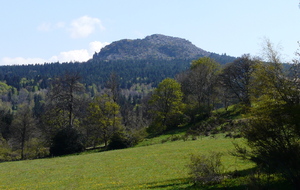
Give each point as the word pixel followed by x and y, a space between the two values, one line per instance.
pixel 104 118
pixel 167 105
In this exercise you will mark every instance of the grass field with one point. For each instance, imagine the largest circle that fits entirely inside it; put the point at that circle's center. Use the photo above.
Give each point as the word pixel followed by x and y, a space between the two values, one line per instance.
pixel 159 166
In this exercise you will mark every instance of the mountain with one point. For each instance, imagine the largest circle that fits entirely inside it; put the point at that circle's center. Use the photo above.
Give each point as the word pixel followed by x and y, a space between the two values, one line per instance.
pixel 142 61
pixel 155 47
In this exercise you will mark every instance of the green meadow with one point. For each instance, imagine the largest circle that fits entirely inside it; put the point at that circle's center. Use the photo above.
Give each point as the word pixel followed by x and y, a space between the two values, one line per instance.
pixel 157 166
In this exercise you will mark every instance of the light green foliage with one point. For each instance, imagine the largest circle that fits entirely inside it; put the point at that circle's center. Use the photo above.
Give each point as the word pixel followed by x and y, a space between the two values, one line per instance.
pixel 6 153
pixel 209 63
pixel 166 102
pixel 104 117
pixel 35 148
pixel 4 88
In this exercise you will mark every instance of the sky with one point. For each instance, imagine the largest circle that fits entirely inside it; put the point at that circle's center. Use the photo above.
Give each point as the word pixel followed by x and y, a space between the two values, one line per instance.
pixel 39 31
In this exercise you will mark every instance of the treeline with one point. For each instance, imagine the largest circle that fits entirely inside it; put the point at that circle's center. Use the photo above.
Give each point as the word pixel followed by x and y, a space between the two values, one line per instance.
pixel 130 72
pixel 93 72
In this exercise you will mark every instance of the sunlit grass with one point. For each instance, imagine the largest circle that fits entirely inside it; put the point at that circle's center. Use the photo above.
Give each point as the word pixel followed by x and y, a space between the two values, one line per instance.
pixel 159 166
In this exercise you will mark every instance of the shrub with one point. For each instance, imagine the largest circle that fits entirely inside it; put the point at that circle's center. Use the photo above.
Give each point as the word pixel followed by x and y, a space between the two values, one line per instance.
pixel 35 149
pixel 126 139
pixel 67 141
pixel 206 169
pixel 118 141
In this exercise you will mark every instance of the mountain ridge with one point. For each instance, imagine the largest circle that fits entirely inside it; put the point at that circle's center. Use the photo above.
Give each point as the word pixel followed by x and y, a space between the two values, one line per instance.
pixel 156 46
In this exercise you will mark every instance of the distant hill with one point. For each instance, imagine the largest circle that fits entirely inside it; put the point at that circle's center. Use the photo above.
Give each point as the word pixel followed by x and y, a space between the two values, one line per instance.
pixel 156 47
pixel 144 61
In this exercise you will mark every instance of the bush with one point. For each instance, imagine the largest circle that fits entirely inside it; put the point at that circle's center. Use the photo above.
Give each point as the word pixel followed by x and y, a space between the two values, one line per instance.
pixel 126 139
pixel 35 149
pixel 206 169
pixel 118 141
pixel 67 141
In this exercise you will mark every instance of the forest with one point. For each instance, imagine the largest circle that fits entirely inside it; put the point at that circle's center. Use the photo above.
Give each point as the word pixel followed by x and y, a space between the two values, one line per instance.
pixel 67 112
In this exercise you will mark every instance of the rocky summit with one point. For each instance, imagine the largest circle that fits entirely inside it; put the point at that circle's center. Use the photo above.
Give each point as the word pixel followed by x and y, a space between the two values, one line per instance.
pixel 157 46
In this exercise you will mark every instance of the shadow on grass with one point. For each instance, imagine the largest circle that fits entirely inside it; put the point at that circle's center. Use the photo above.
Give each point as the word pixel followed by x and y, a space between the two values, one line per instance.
pixel 182 183
pixel 237 181
pixel 187 184
pixel 175 131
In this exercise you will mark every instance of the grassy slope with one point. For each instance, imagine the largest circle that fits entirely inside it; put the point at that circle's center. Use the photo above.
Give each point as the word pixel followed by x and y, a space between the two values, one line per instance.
pixel 160 166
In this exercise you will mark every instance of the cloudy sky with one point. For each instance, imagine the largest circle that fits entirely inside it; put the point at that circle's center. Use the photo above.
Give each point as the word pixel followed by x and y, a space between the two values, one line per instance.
pixel 38 31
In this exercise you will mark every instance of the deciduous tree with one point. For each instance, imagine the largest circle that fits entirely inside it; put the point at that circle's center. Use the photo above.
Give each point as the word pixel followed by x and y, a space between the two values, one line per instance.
pixel 199 85
pixel 104 118
pixel 167 105
pixel 236 78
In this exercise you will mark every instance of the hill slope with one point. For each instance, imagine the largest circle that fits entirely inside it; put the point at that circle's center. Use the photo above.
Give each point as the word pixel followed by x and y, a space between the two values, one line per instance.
pixel 160 166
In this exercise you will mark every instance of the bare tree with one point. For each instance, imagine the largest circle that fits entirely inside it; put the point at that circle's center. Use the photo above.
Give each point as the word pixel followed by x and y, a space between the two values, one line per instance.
pixel 63 97
pixel 23 127
pixel 114 86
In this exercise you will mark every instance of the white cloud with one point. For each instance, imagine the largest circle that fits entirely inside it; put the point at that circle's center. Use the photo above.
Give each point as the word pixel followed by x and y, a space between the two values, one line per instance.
pixel 79 55
pixel 73 55
pixel 81 27
pixel 96 46
pixel 84 26
pixel 66 56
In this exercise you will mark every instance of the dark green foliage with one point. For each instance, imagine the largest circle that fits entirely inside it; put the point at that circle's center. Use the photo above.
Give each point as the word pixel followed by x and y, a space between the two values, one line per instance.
pixel 39 105
pixel 6 118
pixel 67 141
pixel 119 141
pixel 236 79
pixel 96 72
pixel 274 139
pixel 126 139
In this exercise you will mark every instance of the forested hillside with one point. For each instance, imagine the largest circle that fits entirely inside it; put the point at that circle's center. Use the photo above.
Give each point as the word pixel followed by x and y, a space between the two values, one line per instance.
pixel 146 61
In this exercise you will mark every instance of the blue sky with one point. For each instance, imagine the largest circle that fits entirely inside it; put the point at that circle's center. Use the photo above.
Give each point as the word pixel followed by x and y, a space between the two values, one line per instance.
pixel 38 31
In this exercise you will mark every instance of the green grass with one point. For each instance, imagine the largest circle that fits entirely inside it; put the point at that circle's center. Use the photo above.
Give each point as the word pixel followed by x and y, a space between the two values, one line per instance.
pixel 159 166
